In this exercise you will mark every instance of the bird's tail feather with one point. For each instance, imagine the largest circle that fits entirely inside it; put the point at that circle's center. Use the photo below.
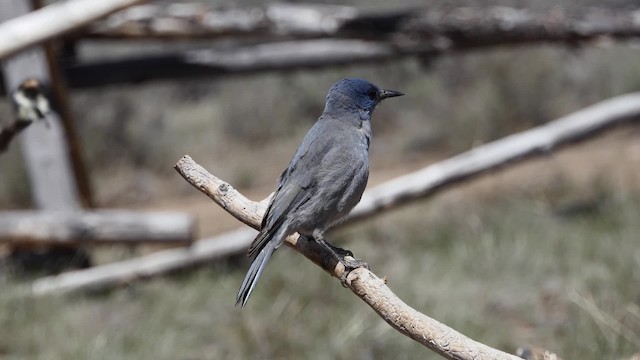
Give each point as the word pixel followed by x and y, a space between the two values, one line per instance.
pixel 255 270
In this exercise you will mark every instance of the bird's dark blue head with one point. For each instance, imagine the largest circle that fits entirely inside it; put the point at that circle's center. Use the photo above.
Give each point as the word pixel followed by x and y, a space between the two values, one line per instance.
pixel 356 95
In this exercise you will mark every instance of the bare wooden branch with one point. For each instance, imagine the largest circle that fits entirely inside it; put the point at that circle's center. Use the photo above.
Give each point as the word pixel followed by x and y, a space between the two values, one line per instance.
pixel 53 20
pixel 225 195
pixel 364 283
pixel 25 228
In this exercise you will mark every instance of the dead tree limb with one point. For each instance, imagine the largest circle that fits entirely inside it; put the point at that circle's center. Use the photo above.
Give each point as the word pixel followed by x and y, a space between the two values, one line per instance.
pixel 428 181
pixel 36 228
pixel 53 20
pixel 364 283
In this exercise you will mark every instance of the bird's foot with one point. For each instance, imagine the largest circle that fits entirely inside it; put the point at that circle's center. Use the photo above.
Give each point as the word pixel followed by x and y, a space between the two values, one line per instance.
pixel 350 263
pixel 343 256
pixel 339 252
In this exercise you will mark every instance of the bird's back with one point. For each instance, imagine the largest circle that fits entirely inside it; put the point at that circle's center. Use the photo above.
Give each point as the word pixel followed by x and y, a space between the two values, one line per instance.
pixel 332 168
pixel 325 178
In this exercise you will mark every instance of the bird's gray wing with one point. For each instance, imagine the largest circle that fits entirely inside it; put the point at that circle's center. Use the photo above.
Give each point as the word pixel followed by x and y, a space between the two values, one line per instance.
pixel 295 186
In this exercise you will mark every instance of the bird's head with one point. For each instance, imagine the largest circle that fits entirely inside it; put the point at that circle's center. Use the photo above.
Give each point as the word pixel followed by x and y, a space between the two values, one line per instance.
pixel 356 94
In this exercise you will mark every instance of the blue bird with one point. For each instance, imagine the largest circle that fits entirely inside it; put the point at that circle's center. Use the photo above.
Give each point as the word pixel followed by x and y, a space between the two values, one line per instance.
pixel 325 178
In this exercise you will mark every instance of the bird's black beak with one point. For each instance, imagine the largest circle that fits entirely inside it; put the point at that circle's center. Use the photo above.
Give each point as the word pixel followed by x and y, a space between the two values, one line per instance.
pixel 383 94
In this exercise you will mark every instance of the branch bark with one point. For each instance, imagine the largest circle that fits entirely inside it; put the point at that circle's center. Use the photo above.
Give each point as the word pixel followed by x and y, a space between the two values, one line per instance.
pixel 364 283
pixel 27 228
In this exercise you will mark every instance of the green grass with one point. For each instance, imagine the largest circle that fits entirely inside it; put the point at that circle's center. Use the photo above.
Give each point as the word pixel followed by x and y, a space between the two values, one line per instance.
pixel 505 273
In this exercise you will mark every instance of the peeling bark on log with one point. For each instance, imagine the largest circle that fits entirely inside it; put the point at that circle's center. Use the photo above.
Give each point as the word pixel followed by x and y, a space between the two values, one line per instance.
pixel 36 228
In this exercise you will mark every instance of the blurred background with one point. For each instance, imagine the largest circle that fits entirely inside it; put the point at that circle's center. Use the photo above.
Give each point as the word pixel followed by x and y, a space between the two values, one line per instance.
pixel 545 253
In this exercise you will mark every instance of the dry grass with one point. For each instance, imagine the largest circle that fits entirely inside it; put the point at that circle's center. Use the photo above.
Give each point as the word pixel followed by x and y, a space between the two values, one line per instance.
pixel 504 273
pixel 544 262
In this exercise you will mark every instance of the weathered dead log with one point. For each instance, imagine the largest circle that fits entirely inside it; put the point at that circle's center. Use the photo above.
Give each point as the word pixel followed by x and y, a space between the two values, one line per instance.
pixel 280 56
pixel 53 20
pixel 129 271
pixel 464 25
pixel 320 36
pixel 28 228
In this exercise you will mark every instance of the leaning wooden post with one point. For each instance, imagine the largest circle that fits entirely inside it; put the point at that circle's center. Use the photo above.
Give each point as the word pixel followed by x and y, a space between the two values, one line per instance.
pixel 61 100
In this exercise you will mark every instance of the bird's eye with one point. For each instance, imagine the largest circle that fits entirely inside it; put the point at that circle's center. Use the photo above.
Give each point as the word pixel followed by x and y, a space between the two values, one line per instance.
pixel 373 94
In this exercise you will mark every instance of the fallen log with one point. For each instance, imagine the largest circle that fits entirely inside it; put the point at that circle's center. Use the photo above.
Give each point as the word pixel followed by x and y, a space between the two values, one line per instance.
pixel 466 25
pixel 35 228
pixel 283 37
pixel 161 262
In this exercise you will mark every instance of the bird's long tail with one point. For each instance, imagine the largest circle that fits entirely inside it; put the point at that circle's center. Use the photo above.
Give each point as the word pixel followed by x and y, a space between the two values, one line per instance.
pixel 250 280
